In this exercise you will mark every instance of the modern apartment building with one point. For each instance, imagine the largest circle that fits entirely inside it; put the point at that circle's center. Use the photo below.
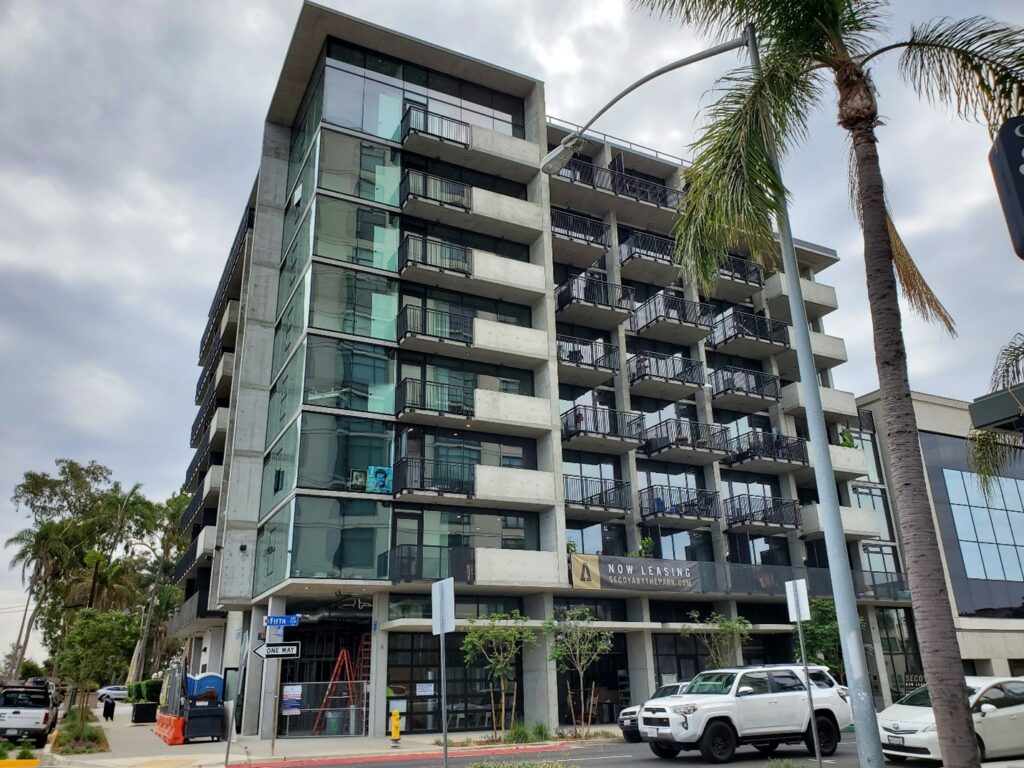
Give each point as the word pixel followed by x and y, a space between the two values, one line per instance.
pixel 981 537
pixel 428 359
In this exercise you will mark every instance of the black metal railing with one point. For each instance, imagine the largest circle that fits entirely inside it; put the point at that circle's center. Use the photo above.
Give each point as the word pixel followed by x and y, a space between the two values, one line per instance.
pixel 435 188
pixel 194 607
pixel 427 562
pixel 667 306
pixel 213 357
pixel 680 433
pixel 661 500
pixel 623 184
pixel 435 322
pixel 415 474
pixel 767 445
pixel 416 249
pixel 237 245
pixel 200 462
pixel 206 410
pixel 598 354
pixel 439 126
pixel 645 245
pixel 735 324
pixel 187 560
pixel 194 505
pixel 588 420
pixel 644 365
pixel 593 290
pixel 431 396
pixel 766 510
pixel 731 379
pixel 581 228
pixel 596 492
pixel 739 268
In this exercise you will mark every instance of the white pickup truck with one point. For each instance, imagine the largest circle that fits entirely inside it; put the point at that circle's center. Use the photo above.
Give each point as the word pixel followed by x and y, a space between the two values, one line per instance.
pixel 26 712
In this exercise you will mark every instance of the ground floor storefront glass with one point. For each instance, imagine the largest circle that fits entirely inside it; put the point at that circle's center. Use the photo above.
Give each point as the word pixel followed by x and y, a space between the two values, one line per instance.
pixel 606 683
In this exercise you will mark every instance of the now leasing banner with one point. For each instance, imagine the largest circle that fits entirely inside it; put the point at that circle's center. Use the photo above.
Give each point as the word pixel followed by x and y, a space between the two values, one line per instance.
pixel 600 572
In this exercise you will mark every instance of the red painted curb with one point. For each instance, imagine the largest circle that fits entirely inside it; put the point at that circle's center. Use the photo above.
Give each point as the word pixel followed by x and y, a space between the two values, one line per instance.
pixel 397 756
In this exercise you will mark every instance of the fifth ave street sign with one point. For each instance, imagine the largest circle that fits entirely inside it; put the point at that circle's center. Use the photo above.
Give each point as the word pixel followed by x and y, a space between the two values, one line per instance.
pixel 278 650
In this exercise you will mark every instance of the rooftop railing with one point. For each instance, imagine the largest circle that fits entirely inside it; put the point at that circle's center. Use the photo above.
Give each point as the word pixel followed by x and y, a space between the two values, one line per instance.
pixel 435 188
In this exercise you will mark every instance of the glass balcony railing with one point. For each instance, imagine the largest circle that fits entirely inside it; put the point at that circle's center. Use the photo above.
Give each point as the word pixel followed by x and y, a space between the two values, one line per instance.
pixel 737 324
pixel 417 119
pixel 428 251
pixel 596 492
pixel 425 562
pixel 431 396
pixel 667 306
pixel 761 510
pixel 620 183
pixel 416 184
pixel 663 500
pixel 588 420
pixel 738 268
pixel 587 352
pixel 652 364
pixel 415 474
pixel 592 290
pixel 681 433
pixel 730 379
pixel 767 445
pixel 448 326
pixel 580 228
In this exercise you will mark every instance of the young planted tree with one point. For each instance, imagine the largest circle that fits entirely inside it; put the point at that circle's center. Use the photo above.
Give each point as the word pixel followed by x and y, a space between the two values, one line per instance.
pixel 721 635
pixel 973 65
pixel 497 640
pixel 576 645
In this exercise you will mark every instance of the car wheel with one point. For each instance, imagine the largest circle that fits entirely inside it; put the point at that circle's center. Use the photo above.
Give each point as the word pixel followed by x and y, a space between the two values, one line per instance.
pixel 41 742
pixel 718 744
pixel 632 738
pixel 767 749
pixel 828 737
pixel 981 748
pixel 666 751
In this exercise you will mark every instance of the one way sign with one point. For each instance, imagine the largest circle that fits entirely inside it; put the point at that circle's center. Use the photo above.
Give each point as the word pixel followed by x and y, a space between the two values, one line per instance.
pixel 278 650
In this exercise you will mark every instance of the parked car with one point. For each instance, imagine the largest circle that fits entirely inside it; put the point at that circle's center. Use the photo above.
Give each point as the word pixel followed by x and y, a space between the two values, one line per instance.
pixel 907 728
pixel 762 706
pixel 112 693
pixel 27 712
pixel 629 716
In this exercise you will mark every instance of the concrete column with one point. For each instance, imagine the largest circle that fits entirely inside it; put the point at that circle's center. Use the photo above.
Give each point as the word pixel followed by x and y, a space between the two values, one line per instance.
pixel 254 673
pixel 640 652
pixel 377 717
pixel 271 672
pixel 540 678
pixel 884 683
pixel 233 638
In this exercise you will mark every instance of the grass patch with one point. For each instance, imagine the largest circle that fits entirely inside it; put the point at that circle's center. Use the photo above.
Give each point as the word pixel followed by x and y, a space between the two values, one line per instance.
pixel 570 734
pixel 74 739
pixel 518 733
pixel 73 714
pixel 781 764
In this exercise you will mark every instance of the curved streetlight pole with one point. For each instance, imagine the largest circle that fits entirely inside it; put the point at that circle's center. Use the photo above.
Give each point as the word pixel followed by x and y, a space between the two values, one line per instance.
pixel 869 747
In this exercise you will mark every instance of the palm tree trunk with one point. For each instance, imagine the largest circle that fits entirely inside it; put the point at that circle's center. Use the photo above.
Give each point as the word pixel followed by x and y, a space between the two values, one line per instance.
pixel 138 670
pixel 13 673
pixel 24 642
pixel 933 615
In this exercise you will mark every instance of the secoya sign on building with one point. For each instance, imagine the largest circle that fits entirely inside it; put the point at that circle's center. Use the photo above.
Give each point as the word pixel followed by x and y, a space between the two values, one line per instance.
pixel 601 572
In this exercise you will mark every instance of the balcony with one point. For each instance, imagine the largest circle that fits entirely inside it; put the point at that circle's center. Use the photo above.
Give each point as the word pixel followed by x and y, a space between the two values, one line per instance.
pixel 470 146
pixel 597 499
pixel 738 279
pixel 858 524
pixel 586 428
pixel 204 416
pixel 448 405
pixel 839 406
pixel 459 205
pixel 408 563
pixel 847 464
pixel 199 464
pixel 828 352
pixel 435 331
pixel 683 508
pixel 479 485
pixel 590 301
pixel 668 317
pixel 668 377
pixel 520 567
pixel 634 198
pixel 210 492
pixel 766 453
pixel 748 335
pixel 819 299
pixel 194 617
pixel 761 515
pixel 199 553
pixel 686 442
pixel 578 240
pixel 648 258
pixel 740 389
pixel 584 362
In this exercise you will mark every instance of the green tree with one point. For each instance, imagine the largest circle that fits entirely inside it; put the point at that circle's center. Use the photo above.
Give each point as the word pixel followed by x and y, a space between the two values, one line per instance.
pixel 575 645
pixel 721 635
pixel 497 640
pixel 29 669
pixel 822 640
pixel 992 450
pixel 976 67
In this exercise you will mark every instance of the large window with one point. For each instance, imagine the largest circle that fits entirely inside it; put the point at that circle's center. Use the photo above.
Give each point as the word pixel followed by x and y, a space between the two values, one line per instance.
pixel 353 302
pixel 350 375
pixel 359 168
pixel 306 124
pixel 285 396
pixel 466 373
pixel 868 497
pixel 758 550
pixel 341 453
pixel 476 529
pixel 476 240
pixel 990 530
pixel 651 473
pixel 673 544
pixel 338 538
pixel 466 606
pixel 596 538
pixel 899 649
pixel 678 657
pixel 356 234
pixel 294 263
pixel 469 448
pixel 465 305
pixel 271 566
pixel 291 325
pixel 279 469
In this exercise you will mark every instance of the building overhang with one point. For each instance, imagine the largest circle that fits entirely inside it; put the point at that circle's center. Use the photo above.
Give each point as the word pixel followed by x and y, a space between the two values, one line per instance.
pixel 999 410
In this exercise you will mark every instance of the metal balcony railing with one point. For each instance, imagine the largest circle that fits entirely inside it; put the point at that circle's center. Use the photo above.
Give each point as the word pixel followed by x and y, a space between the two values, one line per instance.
pixel 667 306
pixel 206 410
pixel 415 474
pixel 583 491
pixel 435 188
pixel 220 295
pixel 586 419
pixel 416 249
pixel 646 245
pixel 581 228
pixel 431 396
pixel 653 364
pixel 425 562
pixel 731 379
pixel 661 500
pixel 187 560
pixel 439 126
pixel 622 184
pixel 767 445
pixel 686 434
pixel 194 505
pixel 194 607
pixel 736 323
pixel 435 322
pixel 767 510
pixel 213 356
pixel 199 464
pixel 586 352
pixel 593 290
pixel 738 268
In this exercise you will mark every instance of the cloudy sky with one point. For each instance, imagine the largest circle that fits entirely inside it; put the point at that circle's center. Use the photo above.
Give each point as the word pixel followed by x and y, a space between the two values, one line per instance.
pixel 129 139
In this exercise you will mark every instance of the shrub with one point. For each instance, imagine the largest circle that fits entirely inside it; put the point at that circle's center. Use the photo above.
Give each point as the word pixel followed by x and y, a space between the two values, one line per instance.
pixel 518 733
pixel 135 694
pixel 5 749
pixel 540 732
pixel 24 751
pixel 151 690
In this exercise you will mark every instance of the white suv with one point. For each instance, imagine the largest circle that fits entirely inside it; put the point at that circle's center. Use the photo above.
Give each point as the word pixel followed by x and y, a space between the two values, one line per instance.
pixel 761 706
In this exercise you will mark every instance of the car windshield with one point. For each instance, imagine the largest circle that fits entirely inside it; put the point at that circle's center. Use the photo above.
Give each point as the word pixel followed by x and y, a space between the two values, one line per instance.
pixel 666 690
pixel 28 699
pixel 921 697
pixel 712 682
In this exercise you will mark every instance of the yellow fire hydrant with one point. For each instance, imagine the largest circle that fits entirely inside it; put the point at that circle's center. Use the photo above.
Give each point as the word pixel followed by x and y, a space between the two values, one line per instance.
pixel 396 729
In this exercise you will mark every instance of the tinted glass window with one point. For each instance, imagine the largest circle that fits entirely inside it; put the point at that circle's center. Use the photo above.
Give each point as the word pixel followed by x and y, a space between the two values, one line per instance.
pixel 756 680
pixel 785 681
pixel 1015 691
pixel 822 680
pixel 995 696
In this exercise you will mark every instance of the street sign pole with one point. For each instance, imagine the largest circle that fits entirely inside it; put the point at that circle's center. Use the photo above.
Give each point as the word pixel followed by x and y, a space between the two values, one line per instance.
pixel 442 612
pixel 800 611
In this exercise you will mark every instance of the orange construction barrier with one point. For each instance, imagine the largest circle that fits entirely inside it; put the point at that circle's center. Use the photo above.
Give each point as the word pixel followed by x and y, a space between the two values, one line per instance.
pixel 170 729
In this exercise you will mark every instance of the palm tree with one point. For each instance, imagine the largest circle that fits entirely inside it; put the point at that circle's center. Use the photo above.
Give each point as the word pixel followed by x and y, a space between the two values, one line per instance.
pixel 974 65
pixel 991 450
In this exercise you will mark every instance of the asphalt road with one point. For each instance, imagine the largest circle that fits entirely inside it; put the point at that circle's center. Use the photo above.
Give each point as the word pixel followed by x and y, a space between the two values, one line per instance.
pixel 617 753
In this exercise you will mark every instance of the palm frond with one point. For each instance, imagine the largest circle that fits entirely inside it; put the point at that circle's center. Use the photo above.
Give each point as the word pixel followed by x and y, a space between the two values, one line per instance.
pixel 1009 368
pixel 990 452
pixel 974 65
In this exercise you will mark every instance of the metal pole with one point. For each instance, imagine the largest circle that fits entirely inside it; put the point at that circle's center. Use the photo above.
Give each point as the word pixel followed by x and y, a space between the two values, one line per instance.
pixel 869 747
pixel 810 695
pixel 242 664
pixel 444 701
